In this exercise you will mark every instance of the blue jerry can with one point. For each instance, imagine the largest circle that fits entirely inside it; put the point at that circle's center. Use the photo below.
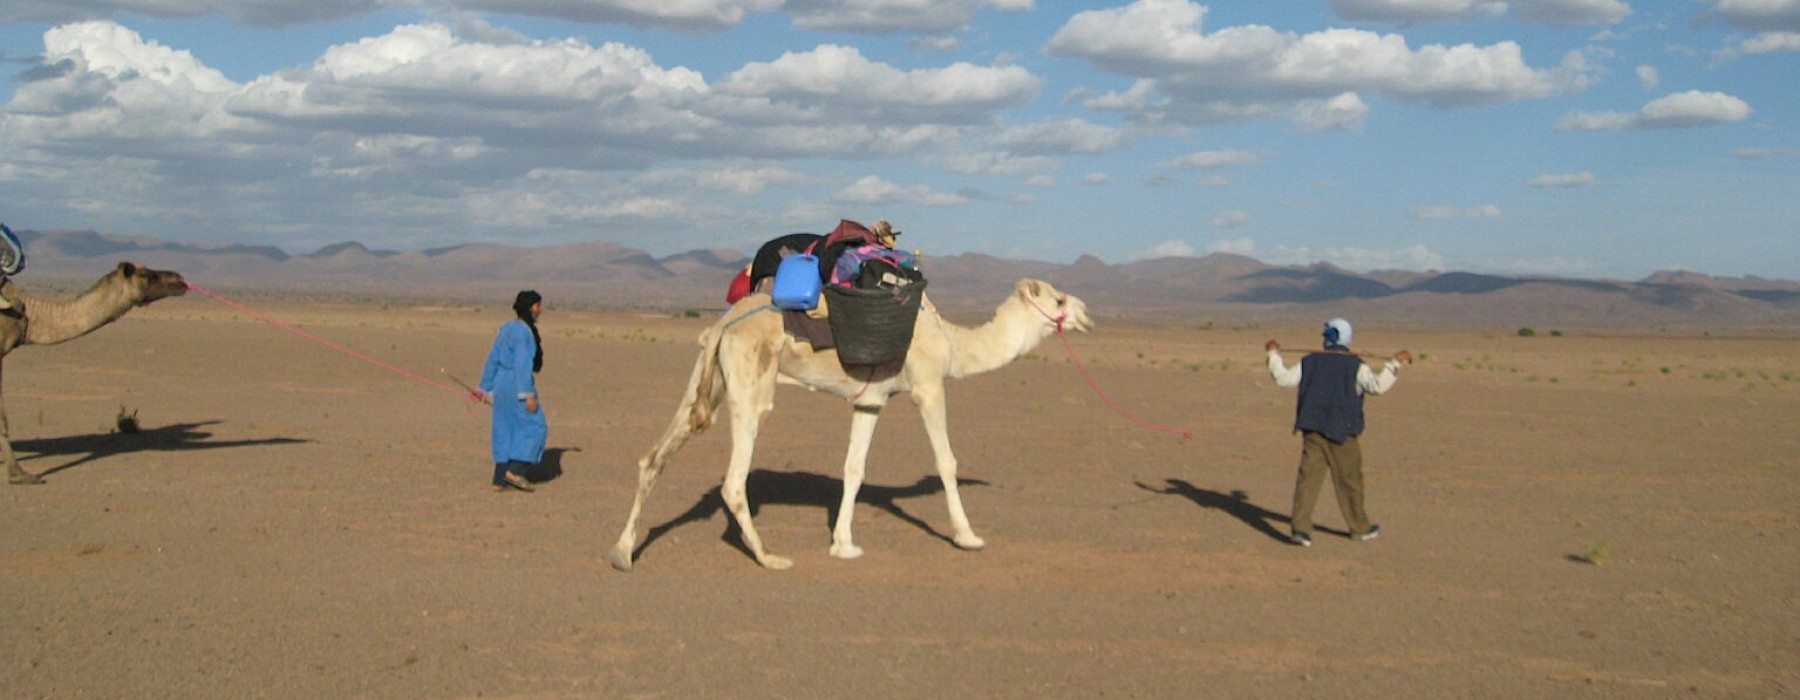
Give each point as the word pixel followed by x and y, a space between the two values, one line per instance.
pixel 797 283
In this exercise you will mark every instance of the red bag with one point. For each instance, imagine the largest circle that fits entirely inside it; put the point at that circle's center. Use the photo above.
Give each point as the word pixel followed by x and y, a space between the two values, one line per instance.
pixel 740 286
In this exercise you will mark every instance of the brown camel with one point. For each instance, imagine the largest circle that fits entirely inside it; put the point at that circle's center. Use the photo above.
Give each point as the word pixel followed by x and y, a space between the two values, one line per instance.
pixel 35 321
pixel 746 353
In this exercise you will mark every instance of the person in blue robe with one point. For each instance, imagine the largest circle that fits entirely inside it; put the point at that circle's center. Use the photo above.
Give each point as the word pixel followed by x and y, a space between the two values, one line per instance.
pixel 508 383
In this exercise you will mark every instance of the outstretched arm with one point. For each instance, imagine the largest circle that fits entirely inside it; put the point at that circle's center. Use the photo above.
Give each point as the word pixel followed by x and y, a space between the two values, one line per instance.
pixel 1285 377
pixel 1373 383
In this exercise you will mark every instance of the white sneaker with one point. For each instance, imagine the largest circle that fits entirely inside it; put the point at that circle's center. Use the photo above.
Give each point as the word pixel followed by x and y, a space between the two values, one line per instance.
pixel 1374 532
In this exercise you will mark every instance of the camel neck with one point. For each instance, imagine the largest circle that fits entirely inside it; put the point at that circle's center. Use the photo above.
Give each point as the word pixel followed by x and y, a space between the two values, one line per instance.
pixel 51 321
pixel 1014 330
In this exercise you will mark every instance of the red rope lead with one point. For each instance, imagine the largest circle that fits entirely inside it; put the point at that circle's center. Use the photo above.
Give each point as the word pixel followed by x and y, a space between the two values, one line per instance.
pixel 1058 320
pixel 1183 432
pixel 460 391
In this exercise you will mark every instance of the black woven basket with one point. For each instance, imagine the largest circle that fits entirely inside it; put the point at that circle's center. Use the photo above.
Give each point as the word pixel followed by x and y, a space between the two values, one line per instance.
pixel 873 326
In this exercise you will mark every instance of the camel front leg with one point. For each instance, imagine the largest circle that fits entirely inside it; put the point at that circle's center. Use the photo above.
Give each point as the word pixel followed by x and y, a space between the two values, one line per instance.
pixel 14 474
pixel 856 462
pixel 932 411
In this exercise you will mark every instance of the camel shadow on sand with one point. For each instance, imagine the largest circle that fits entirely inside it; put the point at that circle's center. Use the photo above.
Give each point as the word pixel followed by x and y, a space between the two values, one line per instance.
pixel 804 489
pixel 1235 504
pixel 180 437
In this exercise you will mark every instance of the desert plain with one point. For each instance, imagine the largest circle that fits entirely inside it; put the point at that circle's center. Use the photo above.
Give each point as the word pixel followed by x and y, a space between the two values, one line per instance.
pixel 1584 514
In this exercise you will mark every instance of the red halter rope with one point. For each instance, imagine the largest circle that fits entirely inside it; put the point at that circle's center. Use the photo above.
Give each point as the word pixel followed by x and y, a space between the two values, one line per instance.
pixel 463 391
pixel 1058 320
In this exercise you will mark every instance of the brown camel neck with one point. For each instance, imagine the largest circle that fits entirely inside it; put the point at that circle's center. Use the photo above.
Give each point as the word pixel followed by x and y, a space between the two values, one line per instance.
pixel 51 321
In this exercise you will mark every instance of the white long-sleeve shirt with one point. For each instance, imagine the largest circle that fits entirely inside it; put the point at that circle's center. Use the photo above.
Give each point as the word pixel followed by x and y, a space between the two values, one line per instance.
pixel 1368 381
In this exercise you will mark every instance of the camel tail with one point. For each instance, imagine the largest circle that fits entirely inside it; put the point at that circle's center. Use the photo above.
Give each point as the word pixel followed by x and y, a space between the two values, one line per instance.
pixel 698 406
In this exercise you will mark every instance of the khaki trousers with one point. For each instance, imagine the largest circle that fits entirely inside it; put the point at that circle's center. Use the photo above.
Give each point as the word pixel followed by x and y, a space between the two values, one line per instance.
pixel 1318 456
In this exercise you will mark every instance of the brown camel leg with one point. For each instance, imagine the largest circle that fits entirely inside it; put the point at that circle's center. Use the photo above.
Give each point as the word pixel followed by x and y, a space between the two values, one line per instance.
pixel 14 474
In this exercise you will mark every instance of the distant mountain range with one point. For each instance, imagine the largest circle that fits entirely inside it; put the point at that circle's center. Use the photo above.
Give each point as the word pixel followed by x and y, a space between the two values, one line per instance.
pixel 1186 290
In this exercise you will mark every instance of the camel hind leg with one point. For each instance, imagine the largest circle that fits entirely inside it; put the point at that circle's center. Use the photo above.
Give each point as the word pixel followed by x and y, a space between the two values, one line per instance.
pixel 693 416
pixel 749 365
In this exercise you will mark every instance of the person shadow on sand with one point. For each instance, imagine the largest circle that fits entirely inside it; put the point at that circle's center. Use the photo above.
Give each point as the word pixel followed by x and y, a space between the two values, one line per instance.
pixel 1236 504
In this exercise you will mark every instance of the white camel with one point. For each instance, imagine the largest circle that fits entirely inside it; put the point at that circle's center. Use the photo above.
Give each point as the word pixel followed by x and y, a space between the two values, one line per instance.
pixel 750 350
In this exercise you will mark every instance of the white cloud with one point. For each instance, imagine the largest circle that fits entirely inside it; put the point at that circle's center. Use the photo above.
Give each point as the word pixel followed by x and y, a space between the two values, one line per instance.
pixel 1693 108
pixel 1680 110
pixel 1213 181
pixel 991 163
pixel 934 44
pixel 1096 179
pixel 1761 15
pixel 1345 112
pixel 868 16
pixel 1568 180
pixel 873 189
pixel 1648 77
pixel 1405 11
pixel 422 132
pixel 833 77
pixel 1191 76
pixel 735 178
pixel 1571 12
pixel 1441 213
pixel 1767 43
pixel 1168 249
pixel 1065 137
pixel 1210 160
pixel 886 16
pixel 1040 181
pixel 1229 219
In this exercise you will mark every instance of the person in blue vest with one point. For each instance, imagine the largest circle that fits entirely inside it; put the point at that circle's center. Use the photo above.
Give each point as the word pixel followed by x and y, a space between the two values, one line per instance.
pixel 12 261
pixel 507 382
pixel 1329 417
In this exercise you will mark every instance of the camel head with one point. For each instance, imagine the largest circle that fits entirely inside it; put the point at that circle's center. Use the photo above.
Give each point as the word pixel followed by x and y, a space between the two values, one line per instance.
pixel 145 285
pixel 1054 305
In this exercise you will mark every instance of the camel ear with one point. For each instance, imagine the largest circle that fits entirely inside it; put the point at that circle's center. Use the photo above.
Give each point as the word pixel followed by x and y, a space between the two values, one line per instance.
pixel 127 269
pixel 1029 287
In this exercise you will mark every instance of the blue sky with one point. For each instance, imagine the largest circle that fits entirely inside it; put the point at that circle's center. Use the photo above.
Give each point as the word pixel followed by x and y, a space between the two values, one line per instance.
pixel 1588 138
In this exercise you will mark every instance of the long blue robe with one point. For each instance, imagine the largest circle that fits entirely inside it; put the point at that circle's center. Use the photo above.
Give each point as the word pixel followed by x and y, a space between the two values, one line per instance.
pixel 518 435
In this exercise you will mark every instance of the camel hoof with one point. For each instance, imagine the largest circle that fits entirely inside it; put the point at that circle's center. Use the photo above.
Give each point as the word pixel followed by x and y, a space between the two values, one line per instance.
pixel 770 561
pixel 25 479
pixel 620 560
pixel 970 542
pixel 846 551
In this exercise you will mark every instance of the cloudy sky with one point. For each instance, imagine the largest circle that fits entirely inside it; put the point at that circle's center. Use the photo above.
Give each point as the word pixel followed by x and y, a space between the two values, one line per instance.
pixel 1592 138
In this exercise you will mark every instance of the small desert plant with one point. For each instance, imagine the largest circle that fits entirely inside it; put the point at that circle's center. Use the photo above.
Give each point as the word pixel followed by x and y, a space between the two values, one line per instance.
pixel 1597 553
pixel 127 422
pixel 690 313
pixel 1527 332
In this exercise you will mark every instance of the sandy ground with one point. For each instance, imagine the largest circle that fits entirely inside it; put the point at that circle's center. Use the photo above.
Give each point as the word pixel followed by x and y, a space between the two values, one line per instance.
pixel 1572 516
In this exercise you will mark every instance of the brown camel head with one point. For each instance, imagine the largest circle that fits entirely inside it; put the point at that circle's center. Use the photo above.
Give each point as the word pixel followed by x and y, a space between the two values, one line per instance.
pixel 147 285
